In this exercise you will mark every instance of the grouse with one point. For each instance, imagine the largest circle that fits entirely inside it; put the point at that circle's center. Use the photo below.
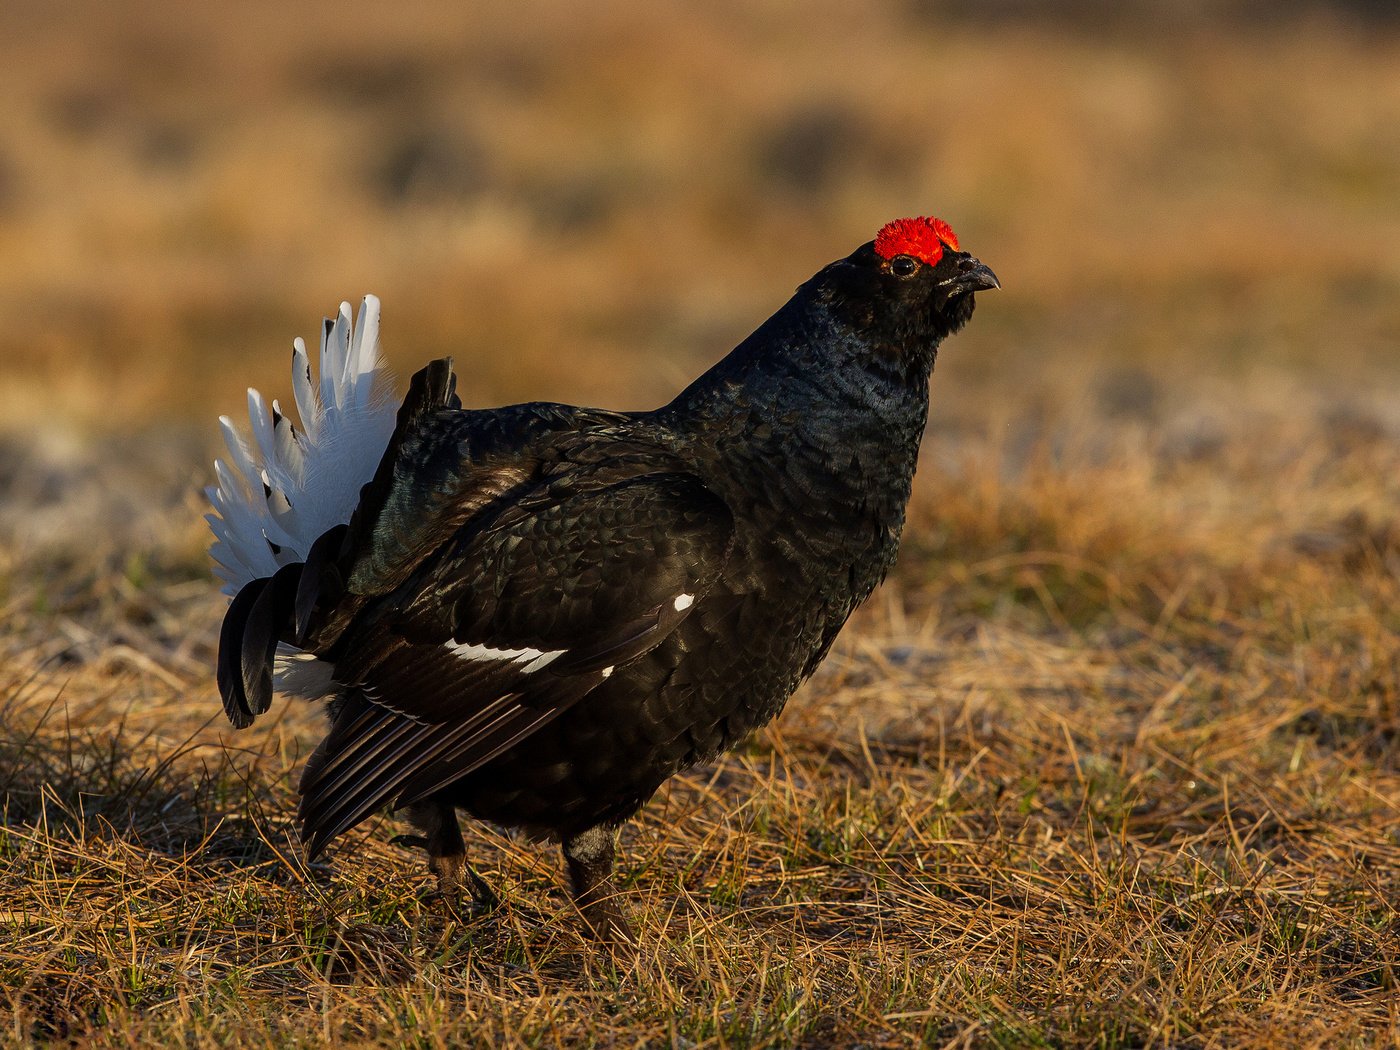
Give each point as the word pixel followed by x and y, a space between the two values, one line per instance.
pixel 539 613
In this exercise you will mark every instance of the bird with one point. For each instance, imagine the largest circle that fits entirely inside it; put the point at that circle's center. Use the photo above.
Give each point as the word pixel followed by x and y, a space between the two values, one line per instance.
pixel 537 614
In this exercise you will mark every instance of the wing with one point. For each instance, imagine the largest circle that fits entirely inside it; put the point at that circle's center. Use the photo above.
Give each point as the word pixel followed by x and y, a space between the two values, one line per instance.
pixel 441 468
pixel 515 619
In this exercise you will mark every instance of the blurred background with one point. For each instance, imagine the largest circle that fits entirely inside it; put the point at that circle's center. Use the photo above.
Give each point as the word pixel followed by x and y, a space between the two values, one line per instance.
pixel 1194 208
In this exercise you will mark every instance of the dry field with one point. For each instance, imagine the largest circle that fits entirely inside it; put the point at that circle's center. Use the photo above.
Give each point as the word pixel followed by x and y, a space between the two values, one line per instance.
pixel 1112 760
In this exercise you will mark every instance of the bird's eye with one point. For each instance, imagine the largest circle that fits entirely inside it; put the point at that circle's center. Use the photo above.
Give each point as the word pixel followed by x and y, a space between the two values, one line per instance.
pixel 904 266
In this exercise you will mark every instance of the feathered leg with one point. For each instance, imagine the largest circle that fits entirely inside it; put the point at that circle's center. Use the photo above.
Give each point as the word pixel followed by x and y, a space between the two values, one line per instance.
pixel 590 859
pixel 447 852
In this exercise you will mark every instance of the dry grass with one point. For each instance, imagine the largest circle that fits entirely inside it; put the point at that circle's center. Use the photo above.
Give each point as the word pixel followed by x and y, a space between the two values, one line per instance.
pixel 1073 779
pixel 1113 759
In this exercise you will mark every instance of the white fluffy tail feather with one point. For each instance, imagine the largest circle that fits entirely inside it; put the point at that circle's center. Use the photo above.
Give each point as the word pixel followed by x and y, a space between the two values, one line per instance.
pixel 276 495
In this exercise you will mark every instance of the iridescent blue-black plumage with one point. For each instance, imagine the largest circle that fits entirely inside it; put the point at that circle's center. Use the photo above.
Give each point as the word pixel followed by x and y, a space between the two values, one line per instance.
pixel 539 613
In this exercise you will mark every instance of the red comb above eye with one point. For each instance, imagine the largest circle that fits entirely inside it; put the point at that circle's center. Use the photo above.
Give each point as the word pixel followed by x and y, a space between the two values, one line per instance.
pixel 923 238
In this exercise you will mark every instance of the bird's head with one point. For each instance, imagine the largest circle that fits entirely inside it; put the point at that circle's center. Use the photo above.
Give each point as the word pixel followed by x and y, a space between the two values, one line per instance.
pixel 909 288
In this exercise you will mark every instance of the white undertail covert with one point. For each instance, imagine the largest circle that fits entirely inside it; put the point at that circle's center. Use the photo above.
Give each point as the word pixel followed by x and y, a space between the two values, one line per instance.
pixel 278 493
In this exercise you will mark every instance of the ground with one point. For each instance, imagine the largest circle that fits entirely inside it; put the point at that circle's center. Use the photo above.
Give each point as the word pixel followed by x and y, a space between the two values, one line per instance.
pixel 1110 760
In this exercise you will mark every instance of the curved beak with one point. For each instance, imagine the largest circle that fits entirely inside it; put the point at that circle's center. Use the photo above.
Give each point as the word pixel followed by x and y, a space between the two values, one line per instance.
pixel 973 276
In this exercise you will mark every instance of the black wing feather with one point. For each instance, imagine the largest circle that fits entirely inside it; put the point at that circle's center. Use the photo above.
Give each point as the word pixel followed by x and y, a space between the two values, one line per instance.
pixel 396 758
pixel 581 578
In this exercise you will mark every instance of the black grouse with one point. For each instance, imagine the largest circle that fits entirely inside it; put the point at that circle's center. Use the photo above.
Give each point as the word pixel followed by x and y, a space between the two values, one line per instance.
pixel 539 613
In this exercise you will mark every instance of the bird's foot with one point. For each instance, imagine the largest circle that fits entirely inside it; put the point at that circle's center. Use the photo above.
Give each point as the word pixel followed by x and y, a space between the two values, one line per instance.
pixel 453 875
pixel 609 926
pixel 590 858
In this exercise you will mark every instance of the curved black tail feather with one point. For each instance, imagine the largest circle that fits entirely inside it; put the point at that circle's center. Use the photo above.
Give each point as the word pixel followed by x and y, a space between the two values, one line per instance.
pixel 259 616
pixel 230 666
